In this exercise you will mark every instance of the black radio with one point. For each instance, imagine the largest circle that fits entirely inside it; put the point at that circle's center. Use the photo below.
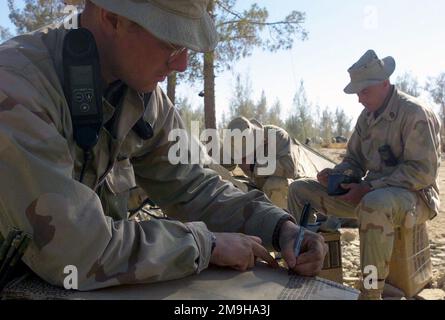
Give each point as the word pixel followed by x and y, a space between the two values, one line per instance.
pixel 82 85
pixel 335 180
pixel 387 156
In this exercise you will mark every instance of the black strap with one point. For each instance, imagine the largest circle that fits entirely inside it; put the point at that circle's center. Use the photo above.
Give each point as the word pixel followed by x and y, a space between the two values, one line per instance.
pixel 114 95
pixel 142 128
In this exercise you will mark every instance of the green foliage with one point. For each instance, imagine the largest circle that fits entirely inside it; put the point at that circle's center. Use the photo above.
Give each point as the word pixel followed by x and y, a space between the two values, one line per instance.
pixel 300 124
pixel 326 125
pixel 342 122
pixel 35 14
pixel 273 115
pixel 409 84
pixel 188 114
pixel 241 32
pixel 261 113
pixel 436 87
pixel 242 104
pixel 4 34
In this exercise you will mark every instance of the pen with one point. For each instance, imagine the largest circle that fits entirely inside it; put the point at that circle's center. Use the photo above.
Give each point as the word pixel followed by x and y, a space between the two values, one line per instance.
pixel 303 223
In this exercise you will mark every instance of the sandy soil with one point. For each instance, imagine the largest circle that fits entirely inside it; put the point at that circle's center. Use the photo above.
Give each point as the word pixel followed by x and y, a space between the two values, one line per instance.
pixel 436 233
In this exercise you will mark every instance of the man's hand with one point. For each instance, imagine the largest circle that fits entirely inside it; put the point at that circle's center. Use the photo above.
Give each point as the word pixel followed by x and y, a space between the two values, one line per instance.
pixel 322 176
pixel 313 250
pixel 356 192
pixel 239 251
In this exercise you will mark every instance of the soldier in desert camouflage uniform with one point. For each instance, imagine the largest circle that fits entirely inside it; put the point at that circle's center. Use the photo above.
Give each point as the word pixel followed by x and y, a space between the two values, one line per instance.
pixel 391 195
pixel 291 161
pixel 85 224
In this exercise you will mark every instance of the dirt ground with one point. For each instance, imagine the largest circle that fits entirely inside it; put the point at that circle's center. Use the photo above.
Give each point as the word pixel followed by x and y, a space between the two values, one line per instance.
pixel 436 233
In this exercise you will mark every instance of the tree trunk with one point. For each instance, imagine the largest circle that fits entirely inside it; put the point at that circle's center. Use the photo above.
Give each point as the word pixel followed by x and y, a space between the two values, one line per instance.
pixel 171 87
pixel 209 90
pixel 443 128
pixel 209 80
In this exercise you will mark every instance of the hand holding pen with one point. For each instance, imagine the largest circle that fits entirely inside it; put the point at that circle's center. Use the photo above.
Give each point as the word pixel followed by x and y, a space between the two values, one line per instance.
pixel 303 224
pixel 303 250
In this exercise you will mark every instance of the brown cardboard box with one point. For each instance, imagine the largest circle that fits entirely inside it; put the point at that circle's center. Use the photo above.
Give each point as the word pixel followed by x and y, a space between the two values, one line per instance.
pixel 332 267
pixel 260 283
pixel 410 267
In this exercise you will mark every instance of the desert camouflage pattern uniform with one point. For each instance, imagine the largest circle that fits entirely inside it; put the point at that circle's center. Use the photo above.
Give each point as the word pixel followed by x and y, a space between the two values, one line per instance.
pixel 86 224
pixel 403 195
pixel 290 164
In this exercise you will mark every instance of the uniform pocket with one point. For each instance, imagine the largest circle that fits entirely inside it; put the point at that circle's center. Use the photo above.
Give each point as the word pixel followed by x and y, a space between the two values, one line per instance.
pixel 121 178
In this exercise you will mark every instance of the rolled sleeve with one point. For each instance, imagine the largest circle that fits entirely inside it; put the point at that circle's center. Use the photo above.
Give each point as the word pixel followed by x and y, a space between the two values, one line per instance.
pixel 203 238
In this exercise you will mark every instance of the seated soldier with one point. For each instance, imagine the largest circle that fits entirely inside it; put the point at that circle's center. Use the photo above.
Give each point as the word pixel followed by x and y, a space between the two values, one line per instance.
pixel 394 152
pixel 290 161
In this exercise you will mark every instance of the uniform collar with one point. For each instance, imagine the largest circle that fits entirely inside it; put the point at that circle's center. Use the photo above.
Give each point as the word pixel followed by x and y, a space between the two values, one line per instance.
pixel 385 103
pixel 390 109
pixel 108 110
pixel 132 110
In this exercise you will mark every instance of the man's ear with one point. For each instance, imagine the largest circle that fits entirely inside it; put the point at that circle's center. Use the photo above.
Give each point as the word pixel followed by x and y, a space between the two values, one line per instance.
pixel 109 22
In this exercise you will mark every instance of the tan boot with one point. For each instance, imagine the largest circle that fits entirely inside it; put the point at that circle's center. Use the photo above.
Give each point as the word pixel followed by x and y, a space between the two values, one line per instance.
pixel 370 294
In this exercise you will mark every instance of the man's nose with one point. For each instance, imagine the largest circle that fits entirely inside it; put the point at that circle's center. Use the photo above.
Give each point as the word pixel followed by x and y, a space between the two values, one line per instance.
pixel 180 63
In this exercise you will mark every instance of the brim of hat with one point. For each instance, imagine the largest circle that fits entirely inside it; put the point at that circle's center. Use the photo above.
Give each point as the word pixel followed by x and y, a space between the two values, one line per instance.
pixel 389 65
pixel 256 124
pixel 196 34
pixel 356 87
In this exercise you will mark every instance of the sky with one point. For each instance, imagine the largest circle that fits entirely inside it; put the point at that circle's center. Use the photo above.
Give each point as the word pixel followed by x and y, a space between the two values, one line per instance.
pixel 340 31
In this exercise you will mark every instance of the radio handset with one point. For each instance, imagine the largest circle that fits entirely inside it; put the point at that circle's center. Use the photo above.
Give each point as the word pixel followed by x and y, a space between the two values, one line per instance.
pixel 83 89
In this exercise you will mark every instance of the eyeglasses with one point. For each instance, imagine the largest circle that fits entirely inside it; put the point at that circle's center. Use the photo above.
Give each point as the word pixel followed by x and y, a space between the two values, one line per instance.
pixel 177 51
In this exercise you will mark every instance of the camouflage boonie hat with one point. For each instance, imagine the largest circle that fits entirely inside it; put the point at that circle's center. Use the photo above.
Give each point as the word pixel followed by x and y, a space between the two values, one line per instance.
pixel 180 22
pixel 369 70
